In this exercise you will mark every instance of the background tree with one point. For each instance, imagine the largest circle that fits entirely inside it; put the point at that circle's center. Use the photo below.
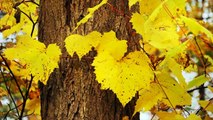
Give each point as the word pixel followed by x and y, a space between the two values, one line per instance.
pixel 72 92
pixel 149 65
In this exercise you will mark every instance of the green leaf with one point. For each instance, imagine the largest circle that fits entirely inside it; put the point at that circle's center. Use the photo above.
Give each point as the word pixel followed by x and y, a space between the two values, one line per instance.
pixel 197 81
pixel 195 27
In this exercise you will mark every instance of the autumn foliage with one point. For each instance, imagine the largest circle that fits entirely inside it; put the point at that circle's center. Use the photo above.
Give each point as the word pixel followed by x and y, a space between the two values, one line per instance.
pixel 171 44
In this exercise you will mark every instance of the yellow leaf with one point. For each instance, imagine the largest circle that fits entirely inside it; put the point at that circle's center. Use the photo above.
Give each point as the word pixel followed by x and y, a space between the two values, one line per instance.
pixel 132 2
pixel 18 69
pixel 30 9
pixel 102 43
pixel 138 21
pixel 82 44
pixel 177 71
pixel 206 105
pixel 27 28
pixel 124 77
pixel 147 7
pixel 167 116
pixel 175 93
pixel 14 29
pixel 149 23
pixel 175 51
pixel 8 20
pixel 33 106
pixel 148 98
pixel 90 14
pixel 209 59
pixel 197 81
pixel 6 5
pixel 109 43
pixel 195 27
pixel 3 92
pixel 193 117
pixel 39 60
pixel 125 118
pixel 211 88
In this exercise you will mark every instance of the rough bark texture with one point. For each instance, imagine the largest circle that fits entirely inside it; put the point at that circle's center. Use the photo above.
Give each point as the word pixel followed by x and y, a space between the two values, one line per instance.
pixel 72 92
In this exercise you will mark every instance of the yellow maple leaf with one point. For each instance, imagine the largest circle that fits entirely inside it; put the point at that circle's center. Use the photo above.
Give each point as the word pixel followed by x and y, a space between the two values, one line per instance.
pixel 82 44
pixel 39 60
pixel 124 77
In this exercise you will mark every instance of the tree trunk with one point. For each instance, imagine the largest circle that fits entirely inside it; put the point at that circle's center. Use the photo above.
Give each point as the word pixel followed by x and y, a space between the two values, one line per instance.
pixel 72 93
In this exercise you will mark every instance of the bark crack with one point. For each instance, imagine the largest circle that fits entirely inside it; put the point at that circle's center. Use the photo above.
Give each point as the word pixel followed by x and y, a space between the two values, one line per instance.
pixel 68 11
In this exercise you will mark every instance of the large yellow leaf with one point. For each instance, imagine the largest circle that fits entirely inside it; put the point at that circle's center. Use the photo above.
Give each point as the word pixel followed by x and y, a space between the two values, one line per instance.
pixel 102 43
pixel 39 60
pixel 82 44
pixel 125 76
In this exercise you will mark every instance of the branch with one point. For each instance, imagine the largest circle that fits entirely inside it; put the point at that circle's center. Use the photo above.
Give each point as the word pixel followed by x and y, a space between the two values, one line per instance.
pixel 26 97
pixel 197 88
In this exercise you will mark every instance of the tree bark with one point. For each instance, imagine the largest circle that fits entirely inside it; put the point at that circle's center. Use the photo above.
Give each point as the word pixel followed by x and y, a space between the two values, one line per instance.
pixel 72 93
